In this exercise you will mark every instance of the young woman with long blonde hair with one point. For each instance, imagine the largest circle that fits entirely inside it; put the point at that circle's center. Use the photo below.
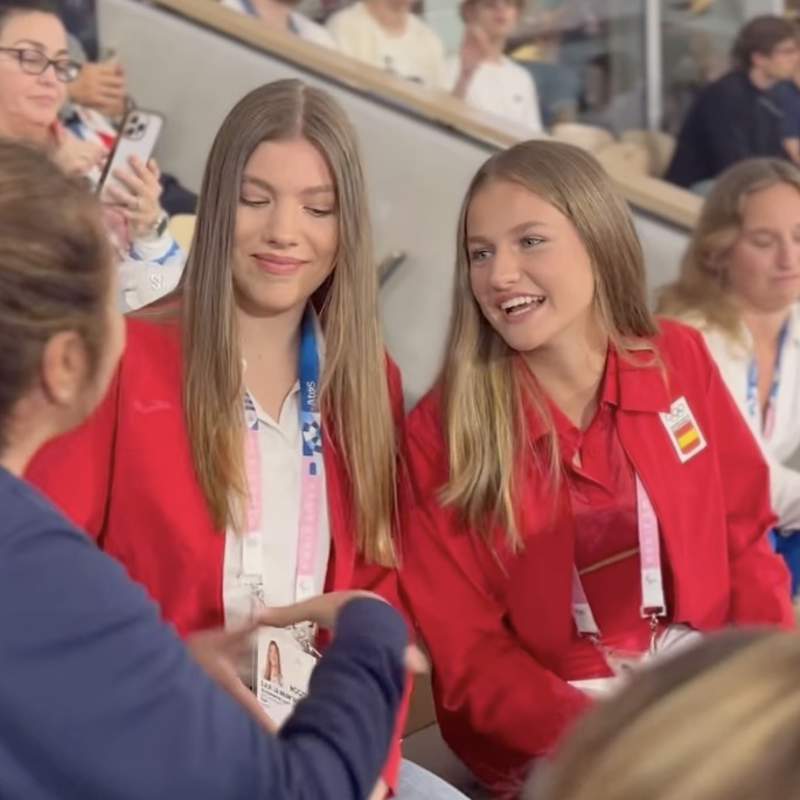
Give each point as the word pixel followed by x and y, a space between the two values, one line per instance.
pixel 247 451
pixel 588 495
pixel 740 286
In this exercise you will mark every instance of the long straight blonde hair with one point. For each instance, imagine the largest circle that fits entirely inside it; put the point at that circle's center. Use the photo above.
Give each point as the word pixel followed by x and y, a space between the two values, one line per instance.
pixel 702 287
pixel 483 390
pixel 354 393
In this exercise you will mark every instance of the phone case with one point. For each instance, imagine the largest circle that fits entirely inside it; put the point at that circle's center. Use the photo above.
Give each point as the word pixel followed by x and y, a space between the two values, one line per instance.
pixel 137 137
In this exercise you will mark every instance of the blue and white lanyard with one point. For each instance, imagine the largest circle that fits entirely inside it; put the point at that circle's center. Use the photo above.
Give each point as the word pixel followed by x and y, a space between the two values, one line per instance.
pixel 768 424
pixel 311 488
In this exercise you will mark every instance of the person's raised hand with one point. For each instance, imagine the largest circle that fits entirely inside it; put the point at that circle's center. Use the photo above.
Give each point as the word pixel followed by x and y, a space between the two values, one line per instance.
pixel 137 190
pixel 475 49
pixel 102 86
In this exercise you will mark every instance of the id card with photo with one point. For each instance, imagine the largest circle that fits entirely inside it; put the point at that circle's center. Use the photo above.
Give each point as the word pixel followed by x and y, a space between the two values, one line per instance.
pixel 283 672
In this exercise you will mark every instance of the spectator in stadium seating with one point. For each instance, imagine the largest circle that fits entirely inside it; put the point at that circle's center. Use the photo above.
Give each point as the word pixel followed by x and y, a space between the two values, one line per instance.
pixel 99 95
pixel 483 75
pixel 740 285
pixel 388 35
pixel 718 722
pixel 737 117
pixel 100 85
pixel 268 356
pixel 280 15
pixel 569 435
pixel 99 697
pixel 35 70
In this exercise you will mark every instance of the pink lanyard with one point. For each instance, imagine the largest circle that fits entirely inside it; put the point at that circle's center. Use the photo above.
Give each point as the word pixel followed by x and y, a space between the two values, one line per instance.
pixel 312 485
pixel 652 579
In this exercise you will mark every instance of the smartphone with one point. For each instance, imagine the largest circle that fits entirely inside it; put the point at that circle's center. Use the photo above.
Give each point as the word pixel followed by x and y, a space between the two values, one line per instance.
pixel 138 135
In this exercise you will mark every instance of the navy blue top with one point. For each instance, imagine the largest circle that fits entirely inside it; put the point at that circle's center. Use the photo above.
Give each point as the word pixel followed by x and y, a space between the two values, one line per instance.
pixel 730 120
pixel 100 699
pixel 787 95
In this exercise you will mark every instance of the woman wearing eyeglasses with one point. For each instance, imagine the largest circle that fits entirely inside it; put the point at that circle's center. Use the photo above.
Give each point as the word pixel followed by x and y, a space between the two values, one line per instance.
pixel 35 69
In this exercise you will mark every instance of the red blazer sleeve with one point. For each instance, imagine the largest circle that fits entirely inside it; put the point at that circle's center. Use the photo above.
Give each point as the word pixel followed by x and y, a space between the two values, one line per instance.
pixel 497 706
pixel 760 583
pixel 75 470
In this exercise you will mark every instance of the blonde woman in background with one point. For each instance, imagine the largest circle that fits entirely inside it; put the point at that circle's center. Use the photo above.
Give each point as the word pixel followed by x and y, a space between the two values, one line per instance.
pixel 719 722
pixel 740 286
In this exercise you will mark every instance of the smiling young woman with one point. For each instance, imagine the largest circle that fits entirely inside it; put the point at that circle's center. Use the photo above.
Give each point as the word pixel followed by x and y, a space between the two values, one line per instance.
pixel 248 448
pixel 587 492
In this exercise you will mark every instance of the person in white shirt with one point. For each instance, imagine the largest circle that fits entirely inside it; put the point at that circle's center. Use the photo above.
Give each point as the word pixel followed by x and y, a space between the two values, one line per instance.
pixel 482 75
pixel 740 285
pixel 387 35
pixel 278 14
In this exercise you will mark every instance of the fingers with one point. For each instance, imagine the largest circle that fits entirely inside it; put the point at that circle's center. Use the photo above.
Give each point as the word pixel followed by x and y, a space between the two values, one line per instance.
pixel 148 173
pixel 110 99
pixel 132 179
pixel 149 176
pixel 100 85
pixel 113 85
pixel 120 196
pixel 416 663
pixel 284 616
pixel 152 166
pixel 321 610
pixel 138 190
pixel 237 640
pixel 96 153
pixel 109 78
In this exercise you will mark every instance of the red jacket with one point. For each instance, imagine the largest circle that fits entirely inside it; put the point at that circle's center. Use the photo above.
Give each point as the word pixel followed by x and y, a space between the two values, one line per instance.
pixel 127 477
pixel 497 625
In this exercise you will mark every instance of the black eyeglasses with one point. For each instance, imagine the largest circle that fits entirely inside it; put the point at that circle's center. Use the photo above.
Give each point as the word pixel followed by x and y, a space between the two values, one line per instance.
pixel 35 62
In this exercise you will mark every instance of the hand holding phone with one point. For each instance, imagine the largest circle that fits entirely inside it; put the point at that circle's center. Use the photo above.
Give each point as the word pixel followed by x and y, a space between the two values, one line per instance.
pixel 102 86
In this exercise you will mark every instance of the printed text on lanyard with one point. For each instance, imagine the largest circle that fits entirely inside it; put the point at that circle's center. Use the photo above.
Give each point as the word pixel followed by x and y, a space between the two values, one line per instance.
pixel 311 485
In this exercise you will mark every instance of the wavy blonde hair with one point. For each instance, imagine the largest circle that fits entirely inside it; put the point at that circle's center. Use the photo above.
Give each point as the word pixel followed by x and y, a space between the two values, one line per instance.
pixel 701 289
pixel 718 722
pixel 354 392
pixel 483 390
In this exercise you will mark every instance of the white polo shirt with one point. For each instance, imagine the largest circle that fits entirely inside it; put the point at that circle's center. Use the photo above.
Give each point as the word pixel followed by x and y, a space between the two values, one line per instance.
pixel 733 360
pixel 501 88
pixel 280 448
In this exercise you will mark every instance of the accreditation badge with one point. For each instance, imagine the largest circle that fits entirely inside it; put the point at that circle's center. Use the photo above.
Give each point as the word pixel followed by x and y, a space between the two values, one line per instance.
pixel 683 430
pixel 283 670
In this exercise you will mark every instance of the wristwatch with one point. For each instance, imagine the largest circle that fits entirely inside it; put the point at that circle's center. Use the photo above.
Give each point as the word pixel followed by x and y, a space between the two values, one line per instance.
pixel 158 229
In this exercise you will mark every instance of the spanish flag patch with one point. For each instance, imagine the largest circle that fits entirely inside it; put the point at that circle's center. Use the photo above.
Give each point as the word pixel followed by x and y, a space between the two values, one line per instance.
pixel 683 430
